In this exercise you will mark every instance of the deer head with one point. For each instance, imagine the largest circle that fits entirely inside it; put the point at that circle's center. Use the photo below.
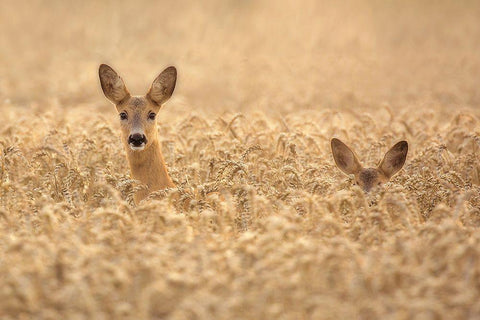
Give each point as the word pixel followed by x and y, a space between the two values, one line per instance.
pixel 368 178
pixel 137 113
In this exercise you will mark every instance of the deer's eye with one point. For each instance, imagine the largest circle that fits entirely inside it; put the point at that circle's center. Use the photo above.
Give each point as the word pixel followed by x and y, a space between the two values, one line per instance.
pixel 152 116
pixel 123 116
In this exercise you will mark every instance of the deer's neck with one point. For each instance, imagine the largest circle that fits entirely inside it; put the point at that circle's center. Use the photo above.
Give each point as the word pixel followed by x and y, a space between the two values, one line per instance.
pixel 149 168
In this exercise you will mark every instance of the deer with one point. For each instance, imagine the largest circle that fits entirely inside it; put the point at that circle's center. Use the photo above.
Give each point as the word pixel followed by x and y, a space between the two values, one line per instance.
pixel 138 124
pixel 369 178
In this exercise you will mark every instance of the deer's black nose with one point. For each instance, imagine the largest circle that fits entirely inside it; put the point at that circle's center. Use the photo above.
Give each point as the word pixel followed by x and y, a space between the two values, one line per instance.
pixel 137 139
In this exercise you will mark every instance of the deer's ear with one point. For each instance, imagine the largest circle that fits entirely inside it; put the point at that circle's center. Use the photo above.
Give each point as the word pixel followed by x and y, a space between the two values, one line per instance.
pixel 112 85
pixel 163 86
pixel 344 157
pixel 394 159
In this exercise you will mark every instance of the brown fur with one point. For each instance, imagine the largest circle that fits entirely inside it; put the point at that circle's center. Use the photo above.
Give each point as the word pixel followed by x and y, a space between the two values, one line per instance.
pixel 369 178
pixel 147 165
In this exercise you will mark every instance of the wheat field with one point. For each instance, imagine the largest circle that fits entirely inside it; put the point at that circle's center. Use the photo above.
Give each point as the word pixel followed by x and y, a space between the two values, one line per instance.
pixel 261 225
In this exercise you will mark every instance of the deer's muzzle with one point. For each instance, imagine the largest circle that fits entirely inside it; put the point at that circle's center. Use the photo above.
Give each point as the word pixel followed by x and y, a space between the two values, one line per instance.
pixel 137 141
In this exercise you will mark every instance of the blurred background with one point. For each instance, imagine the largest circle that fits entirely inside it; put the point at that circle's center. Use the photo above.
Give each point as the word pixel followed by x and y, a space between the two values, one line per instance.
pixel 275 56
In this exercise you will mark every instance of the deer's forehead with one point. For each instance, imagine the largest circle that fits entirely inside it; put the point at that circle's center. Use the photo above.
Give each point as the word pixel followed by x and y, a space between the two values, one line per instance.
pixel 138 104
pixel 368 176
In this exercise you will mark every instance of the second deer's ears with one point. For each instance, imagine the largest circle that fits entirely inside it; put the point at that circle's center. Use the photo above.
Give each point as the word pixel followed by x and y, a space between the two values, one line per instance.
pixel 112 85
pixel 394 159
pixel 345 158
pixel 163 86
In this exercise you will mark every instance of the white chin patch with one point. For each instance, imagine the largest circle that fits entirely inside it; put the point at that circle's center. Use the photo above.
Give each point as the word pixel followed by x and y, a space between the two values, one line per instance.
pixel 137 148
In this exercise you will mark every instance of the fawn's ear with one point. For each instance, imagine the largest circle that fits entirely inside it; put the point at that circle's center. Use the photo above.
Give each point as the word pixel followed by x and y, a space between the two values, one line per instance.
pixel 394 159
pixel 112 85
pixel 345 159
pixel 163 86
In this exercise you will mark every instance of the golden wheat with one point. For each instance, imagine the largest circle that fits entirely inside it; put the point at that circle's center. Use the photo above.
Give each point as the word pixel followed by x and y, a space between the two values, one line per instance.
pixel 261 225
